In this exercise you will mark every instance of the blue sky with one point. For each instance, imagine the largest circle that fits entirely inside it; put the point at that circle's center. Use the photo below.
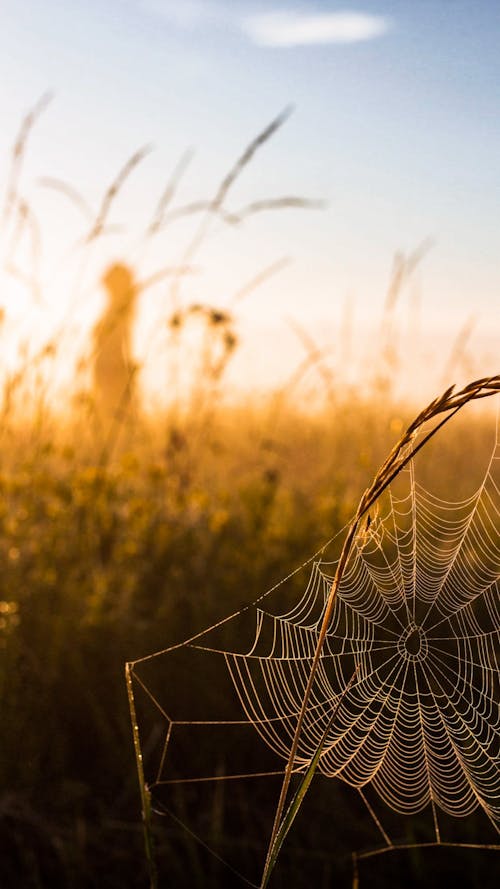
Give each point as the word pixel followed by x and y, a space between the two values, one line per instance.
pixel 395 126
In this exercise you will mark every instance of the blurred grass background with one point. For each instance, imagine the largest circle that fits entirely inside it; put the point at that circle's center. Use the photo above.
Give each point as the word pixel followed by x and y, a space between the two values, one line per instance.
pixel 125 533
pixel 107 561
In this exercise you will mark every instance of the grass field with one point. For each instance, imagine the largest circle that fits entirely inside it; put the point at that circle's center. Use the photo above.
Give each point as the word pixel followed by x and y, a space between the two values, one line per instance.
pixel 123 532
pixel 105 560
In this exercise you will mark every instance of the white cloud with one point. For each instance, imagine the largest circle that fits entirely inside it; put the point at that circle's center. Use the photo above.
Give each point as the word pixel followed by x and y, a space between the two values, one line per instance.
pixel 275 28
pixel 292 28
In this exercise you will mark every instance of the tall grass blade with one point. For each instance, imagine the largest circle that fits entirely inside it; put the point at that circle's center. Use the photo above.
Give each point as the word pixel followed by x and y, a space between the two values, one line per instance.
pixel 444 407
pixel 145 794
pixel 301 792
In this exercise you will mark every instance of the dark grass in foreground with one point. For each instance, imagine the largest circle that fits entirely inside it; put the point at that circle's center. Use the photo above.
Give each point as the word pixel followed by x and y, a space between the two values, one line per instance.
pixel 108 560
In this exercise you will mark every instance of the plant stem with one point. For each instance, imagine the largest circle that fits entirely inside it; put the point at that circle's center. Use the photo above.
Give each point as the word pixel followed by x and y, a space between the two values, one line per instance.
pixel 448 404
pixel 145 794
pixel 271 859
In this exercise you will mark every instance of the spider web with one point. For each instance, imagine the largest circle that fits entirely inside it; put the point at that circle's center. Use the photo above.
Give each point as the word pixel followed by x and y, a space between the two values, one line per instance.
pixel 416 615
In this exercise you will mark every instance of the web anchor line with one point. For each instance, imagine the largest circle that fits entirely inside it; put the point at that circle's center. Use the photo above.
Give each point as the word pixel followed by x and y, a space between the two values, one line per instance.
pixel 416 610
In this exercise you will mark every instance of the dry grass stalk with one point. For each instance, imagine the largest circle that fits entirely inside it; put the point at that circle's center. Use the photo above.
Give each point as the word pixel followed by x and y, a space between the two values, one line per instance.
pixel 169 193
pixel 71 193
pixel 215 205
pixel 403 269
pixel 114 189
pixel 18 153
pixel 235 218
pixel 441 409
pixel 458 357
pixel 257 280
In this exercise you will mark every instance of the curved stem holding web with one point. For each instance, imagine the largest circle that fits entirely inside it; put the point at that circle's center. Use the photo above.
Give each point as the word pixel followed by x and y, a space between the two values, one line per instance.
pixel 402 453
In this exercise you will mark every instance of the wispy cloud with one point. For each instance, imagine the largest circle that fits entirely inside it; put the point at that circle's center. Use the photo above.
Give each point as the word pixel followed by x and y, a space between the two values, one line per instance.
pixel 272 28
pixel 294 28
